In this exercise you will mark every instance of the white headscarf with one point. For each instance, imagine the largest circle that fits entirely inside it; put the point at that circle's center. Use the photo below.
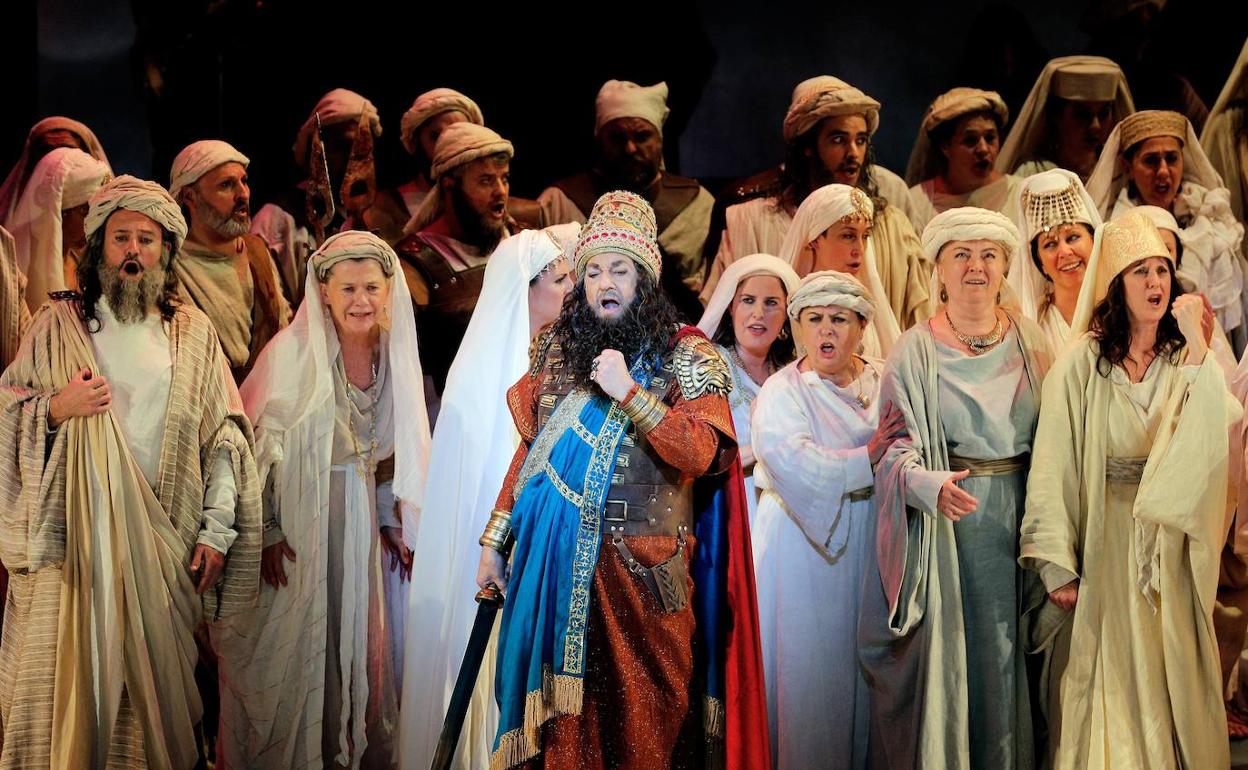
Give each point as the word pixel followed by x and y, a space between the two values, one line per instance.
pixel 289 398
pixel 134 194
pixel 473 445
pixel 64 179
pixel 622 99
pixel 1109 178
pixel 823 208
pixel 950 105
pixel 197 159
pixel 430 104
pixel 338 106
pixel 1024 277
pixel 1077 78
pixel 15 182
pixel 737 272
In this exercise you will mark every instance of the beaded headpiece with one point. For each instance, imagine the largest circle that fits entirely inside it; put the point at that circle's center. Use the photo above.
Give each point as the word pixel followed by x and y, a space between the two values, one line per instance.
pixel 1048 203
pixel 620 223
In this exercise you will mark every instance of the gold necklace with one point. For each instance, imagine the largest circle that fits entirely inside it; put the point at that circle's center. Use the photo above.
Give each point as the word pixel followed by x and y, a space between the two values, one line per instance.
pixel 736 359
pixel 978 343
pixel 861 399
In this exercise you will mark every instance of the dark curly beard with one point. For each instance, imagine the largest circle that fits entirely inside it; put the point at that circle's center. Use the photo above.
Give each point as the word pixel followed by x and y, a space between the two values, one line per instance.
pixel 645 327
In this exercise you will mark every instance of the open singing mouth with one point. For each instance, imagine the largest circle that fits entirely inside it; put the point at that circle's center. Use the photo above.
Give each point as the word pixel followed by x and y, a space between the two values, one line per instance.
pixel 131 267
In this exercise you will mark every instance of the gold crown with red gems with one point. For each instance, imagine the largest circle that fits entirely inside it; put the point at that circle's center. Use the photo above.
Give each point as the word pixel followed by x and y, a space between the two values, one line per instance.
pixel 621 223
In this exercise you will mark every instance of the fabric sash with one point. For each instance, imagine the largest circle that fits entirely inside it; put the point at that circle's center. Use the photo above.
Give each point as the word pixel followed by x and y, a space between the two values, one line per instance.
pixel 558 534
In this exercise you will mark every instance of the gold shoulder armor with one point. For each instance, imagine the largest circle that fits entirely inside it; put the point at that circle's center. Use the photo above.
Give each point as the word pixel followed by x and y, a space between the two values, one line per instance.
pixel 700 369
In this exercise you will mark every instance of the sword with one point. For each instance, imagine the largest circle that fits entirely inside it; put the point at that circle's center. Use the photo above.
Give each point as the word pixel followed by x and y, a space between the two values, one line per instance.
pixel 489 599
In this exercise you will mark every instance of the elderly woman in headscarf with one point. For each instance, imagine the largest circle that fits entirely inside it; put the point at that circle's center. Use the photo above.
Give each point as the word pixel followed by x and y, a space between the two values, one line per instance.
pixel 525 282
pixel 940 633
pixel 812 422
pixel 1128 556
pixel 45 136
pixel 1153 158
pixel 746 320
pixel 953 160
pixel 1058 222
pixel 832 231
pixel 47 223
pixel 341 439
pixel 1074 104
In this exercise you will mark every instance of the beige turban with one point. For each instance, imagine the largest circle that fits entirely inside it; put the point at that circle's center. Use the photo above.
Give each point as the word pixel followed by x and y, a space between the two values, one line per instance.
pixel 430 104
pixel 829 287
pixel 337 106
pixel 825 97
pixel 460 143
pixel 197 159
pixel 146 198
pixel 463 143
pixel 961 101
pixel 969 223
pixel 622 99
pixel 352 244
pixel 1146 124
pixel 620 223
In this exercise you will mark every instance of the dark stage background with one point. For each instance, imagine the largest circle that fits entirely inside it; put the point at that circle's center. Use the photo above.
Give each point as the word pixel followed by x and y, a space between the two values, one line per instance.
pixel 152 75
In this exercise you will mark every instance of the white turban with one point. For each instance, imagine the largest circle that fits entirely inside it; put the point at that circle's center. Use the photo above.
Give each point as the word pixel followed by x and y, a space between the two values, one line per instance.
pixel 352 244
pixel 197 159
pixel 460 143
pixel 622 99
pixel 969 223
pixel 825 97
pixel 734 276
pixel 146 198
pixel 337 106
pixel 430 104
pixel 829 287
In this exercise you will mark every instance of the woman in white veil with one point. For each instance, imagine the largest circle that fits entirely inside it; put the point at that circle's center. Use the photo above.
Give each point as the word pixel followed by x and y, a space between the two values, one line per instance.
pixel 811 246
pixel 473 444
pixel 306 676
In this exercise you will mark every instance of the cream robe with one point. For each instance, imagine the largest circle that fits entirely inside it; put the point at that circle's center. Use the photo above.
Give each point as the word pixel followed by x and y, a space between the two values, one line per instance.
pixel 1142 687
pixel 54 486
pixel 811 542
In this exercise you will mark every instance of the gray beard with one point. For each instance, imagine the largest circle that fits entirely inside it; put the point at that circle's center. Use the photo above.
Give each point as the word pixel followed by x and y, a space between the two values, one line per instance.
pixel 225 226
pixel 131 301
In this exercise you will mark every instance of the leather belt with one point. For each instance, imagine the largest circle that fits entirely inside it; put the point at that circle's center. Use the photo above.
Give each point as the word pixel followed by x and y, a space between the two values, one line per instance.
pixel 639 510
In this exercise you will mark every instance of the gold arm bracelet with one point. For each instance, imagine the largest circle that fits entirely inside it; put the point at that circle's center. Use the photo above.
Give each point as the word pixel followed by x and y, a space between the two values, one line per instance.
pixel 645 410
pixel 497 530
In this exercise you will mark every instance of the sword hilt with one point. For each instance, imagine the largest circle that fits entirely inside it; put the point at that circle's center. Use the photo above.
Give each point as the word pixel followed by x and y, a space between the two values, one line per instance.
pixel 490 595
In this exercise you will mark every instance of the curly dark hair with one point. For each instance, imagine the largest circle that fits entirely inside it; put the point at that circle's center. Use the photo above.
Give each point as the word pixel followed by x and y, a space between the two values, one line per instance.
pixel 90 288
pixel 645 328
pixel 803 172
pixel 1111 326
pixel 782 349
